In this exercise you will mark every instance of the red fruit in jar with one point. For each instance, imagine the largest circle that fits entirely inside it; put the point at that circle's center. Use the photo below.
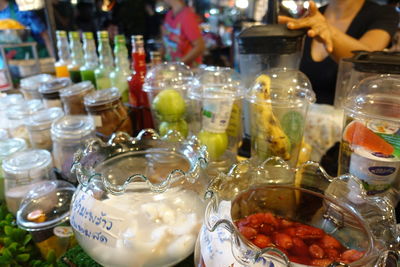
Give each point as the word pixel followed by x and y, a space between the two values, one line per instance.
pixel 308 232
pixel 332 253
pixel 286 223
pixel 290 231
pixel 255 220
pixel 270 219
pixel 351 255
pixel 299 247
pixel 328 241
pixel 316 251
pixel 266 229
pixel 242 222
pixel 248 232
pixel 283 240
pixel 300 260
pixel 321 262
pixel 262 241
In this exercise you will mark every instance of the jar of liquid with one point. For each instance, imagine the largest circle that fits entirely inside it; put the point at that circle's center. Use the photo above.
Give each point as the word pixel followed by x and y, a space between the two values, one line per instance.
pixel 22 171
pixel 39 125
pixel 108 111
pixel 50 91
pixel 69 134
pixel 72 97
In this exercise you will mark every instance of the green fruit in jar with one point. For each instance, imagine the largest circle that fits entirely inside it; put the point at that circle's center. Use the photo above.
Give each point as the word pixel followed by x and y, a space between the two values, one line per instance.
pixel 179 126
pixel 169 105
pixel 216 143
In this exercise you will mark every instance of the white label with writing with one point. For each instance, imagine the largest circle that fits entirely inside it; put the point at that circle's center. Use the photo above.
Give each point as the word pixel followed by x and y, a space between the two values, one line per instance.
pixel 216 114
pixel 97 121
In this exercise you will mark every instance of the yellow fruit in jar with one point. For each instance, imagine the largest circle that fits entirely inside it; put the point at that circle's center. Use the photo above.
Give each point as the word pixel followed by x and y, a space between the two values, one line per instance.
pixel 6 24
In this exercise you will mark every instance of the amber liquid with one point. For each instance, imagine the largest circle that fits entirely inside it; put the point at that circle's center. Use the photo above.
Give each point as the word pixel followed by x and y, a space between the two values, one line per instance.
pixel 61 71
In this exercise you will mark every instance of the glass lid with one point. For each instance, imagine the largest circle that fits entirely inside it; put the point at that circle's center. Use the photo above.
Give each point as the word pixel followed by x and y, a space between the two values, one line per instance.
pixel 27 160
pixel 34 82
pixel 44 118
pixel 10 146
pixel 45 206
pixel 102 97
pixel 72 127
pixel 77 89
pixel 54 85
pixel 9 100
pixel 24 109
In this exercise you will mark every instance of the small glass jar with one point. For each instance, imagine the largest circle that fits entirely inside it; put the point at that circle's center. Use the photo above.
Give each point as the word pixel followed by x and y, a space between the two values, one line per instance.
pixel 22 171
pixel 68 134
pixel 39 125
pixel 7 148
pixel 72 97
pixel 108 111
pixel 5 102
pixel 18 114
pixel 50 91
pixel 30 85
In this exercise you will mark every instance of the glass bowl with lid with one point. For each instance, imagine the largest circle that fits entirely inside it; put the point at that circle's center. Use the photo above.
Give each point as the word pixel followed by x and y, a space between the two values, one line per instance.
pixel 30 85
pixel 50 91
pixel 5 102
pixel 22 170
pixel 147 194
pixel 72 97
pixel 166 86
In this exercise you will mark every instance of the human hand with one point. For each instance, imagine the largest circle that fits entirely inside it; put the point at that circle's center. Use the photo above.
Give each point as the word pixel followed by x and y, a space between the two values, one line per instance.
pixel 316 23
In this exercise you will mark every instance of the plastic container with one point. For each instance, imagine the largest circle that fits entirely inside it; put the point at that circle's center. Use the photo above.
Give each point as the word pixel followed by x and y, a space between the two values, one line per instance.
pixel 69 134
pixel 50 91
pixel 39 125
pixel 279 101
pixel 215 114
pixel 371 136
pixel 108 111
pixel 44 213
pixel 166 86
pixel 19 114
pixel 21 171
pixel 148 194
pixel 72 97
pixel 7 148
pixel 30 85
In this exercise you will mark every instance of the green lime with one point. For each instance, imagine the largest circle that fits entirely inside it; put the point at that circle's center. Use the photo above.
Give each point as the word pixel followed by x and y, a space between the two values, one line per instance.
pixel 179 126
pixel 292 124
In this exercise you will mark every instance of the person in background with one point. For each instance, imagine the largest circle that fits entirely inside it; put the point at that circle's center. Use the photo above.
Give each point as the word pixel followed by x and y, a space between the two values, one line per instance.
pixel 334 31
pixel 181 34
pixel 9 10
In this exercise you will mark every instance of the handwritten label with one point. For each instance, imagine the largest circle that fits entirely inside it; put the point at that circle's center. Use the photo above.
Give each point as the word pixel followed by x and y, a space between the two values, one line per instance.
pixel 96 220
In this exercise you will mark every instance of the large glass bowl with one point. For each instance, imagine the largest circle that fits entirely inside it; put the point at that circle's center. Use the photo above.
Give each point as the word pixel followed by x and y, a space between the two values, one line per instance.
pixel 140 200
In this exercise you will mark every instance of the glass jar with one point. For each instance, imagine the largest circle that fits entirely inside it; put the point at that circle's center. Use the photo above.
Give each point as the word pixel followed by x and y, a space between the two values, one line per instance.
pixel 50 91
pixel 272 215
pixel 44 213
pixel 68 134
pixel 19 114
pixel 22 171
pixel 30 85
pixel 147 192
pixel 72 97
pixel 39 125
pixel 7 148
pixel 5 102
pixel 108 111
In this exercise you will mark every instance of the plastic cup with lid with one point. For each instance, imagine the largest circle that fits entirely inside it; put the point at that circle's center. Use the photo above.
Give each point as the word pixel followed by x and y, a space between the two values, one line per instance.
pixel 44 212
pixel 22 171
pixel 50 91
pixel 30 85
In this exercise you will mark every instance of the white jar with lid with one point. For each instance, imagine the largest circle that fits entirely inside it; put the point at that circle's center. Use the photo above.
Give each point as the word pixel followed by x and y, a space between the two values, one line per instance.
pixel 69 133
pixel 50 91
pixel 39 125
pixel 18 114
pixel 22 171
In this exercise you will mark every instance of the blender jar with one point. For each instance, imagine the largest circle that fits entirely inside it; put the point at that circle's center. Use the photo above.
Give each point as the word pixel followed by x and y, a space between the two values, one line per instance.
pixel 214 110
pixel 72 97
pixel 39 125
pixel 139 202
pixel 108 111
pixel 279 101
pixel 370 141
pixel 30 86
pixel 22 171
pixel 256 216
pixel 166 86
pixel 44 213
pixel 50 91
pixel 69 134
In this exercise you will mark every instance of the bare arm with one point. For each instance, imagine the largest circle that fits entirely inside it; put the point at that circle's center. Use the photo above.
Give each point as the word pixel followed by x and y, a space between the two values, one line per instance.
pixel 336 42
pixel 47 42
pixel 197 50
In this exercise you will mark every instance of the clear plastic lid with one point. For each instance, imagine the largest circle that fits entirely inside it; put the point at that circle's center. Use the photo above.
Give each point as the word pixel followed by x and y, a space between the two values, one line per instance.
pixel 216 82
pixel 45 206
pixel 73 127
pixel 77 89
pixel 44 118
pixel 10 146
pixel 34 82
pixel 281 86
pixel 376 97
pixel 3 134
pixel 54 85
pixel 102 97
pixel 27 161
pixel 24 109
pixel 174 75
pixel 9 100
